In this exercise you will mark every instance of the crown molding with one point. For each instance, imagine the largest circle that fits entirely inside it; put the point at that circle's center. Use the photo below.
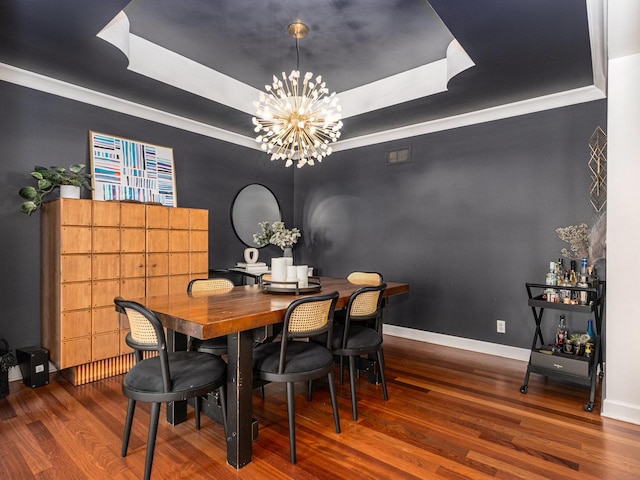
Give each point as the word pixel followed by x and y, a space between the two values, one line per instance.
pixel 53 86
pixel 59 88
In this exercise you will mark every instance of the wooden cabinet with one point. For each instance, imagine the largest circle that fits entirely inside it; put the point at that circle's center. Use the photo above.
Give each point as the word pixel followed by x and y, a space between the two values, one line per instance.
pixel 93 251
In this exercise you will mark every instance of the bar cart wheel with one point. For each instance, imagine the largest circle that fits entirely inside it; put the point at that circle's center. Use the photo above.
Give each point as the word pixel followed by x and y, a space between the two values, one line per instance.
pixel 525 389
pixel 588 406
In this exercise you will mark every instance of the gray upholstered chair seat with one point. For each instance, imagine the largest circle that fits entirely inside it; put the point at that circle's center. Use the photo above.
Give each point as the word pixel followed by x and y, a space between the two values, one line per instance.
pixel 359 337
pixel 301 357
pixel 188 370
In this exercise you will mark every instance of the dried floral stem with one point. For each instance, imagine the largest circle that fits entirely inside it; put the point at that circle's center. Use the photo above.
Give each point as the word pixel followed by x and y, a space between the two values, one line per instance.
pixel 577 236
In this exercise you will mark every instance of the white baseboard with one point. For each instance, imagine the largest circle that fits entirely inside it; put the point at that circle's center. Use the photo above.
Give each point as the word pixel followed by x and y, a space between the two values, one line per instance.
pixel 625 412
pixel 489 348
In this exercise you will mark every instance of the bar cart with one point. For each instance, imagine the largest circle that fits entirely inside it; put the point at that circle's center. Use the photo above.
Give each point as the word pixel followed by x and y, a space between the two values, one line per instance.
pixel 576 369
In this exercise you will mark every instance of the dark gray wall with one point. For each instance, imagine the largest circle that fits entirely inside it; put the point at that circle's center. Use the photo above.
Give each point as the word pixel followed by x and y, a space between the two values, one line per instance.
pixel 467 222
pixel 42 129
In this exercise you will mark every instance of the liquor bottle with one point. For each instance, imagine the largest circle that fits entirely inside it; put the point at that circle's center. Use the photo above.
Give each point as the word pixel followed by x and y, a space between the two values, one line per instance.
pixel 562 332
pixel 573 275
pixel 593 278
pixel 551 279
pixel 560 269
pixel 583 295
pixel 565 295
pixel 591 331
pixel 583 269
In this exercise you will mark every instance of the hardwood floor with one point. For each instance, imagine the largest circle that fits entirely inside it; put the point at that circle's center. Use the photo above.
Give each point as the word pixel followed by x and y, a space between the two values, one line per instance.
pixel 451 414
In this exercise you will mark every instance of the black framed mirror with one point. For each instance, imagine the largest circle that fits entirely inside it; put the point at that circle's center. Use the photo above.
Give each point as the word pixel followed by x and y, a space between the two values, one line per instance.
pixel 253 204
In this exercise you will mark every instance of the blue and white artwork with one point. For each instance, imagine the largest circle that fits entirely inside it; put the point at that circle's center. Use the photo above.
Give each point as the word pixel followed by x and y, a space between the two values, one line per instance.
pixel 125 169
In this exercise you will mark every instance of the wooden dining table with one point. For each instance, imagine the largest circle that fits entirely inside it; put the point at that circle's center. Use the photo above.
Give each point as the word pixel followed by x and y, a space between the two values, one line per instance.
pixel 235 313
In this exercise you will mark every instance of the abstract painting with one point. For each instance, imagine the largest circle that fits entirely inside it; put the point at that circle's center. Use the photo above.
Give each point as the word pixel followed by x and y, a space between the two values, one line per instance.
pixel 123 169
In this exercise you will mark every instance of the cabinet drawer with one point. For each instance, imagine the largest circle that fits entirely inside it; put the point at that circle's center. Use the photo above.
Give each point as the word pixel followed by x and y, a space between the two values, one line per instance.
pixel 105 346
pixel 199 219
pixel 178 263
pixel 105 320
pixel 158 286
pixel 179 240
pixel 132 240
pixel 75 240
pixel 103 293
pixel 131 288
pixel 199 241
pixel 105 266
pixel 157 240
pixel 75 212
pixel 75 268
pixel 179 218
pixel 569 365
pixel 132 215
pixel 75 352
pixel 157 216
pixel 106 214
pixel 106 240
pixel 75 296
pixel 200 263
pixel 75 324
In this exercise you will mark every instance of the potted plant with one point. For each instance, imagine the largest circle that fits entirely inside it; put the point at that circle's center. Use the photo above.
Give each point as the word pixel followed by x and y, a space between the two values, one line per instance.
pixel 277 234
pixel 7 360
pixel 50 178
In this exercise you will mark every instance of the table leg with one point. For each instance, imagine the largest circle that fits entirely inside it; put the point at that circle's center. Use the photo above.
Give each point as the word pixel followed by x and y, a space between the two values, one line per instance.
pixel 239 398
pixel 176 411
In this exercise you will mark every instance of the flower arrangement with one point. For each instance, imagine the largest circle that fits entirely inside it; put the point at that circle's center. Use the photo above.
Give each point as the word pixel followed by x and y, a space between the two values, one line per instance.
pixel 577 236
pixel 276 234
pixel 585 241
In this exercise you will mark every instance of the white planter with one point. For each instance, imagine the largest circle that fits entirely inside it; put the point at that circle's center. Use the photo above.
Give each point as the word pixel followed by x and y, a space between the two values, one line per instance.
pixel 69 191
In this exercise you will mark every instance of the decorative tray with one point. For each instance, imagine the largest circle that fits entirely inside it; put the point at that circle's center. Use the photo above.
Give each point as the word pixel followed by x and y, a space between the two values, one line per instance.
pixel 292 287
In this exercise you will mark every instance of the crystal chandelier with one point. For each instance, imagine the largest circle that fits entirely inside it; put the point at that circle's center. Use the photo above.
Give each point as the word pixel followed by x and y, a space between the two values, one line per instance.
pixel 297 124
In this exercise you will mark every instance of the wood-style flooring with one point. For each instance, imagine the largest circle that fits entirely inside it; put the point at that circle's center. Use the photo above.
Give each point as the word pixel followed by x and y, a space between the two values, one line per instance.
pixel 451 414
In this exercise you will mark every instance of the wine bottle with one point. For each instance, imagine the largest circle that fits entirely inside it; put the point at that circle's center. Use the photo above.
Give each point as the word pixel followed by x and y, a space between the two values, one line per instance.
pixel 561 332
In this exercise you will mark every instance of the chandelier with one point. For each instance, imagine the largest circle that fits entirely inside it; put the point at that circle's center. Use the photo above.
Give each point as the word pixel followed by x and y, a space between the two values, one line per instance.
pixel 297 123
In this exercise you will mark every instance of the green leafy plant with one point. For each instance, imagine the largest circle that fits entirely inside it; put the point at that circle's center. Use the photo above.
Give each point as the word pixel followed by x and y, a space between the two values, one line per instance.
pixel 48 179
pixel 576 338
pixel 276 234
pixel 7 360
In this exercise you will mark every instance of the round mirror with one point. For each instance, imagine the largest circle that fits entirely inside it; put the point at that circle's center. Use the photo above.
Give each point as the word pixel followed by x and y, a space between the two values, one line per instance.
pixel 253 204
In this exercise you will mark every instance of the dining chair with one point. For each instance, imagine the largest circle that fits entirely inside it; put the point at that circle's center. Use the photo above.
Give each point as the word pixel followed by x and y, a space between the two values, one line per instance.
pixel 167 377
pixel 361 334
pixel 365 278
pixel 206 286
pixel 291 359
pixel 359 278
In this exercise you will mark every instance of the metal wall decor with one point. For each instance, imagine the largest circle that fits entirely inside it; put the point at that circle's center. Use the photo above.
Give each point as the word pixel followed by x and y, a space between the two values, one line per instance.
pixel 598 168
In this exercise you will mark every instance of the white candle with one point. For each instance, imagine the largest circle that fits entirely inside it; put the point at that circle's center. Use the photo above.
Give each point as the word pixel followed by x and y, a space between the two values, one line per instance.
pixel 303 276
pixel 292 274
pixel 278 269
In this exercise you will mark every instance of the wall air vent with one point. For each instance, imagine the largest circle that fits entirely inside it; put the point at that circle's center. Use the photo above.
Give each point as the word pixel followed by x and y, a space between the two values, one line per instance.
pixel 399 155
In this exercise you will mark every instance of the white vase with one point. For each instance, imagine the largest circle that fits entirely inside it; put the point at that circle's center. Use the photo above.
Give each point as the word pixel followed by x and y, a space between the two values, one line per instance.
pixel 69 191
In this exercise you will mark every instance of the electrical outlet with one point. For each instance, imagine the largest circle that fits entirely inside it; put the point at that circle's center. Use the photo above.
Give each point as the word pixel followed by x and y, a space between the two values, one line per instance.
pixel 501 326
